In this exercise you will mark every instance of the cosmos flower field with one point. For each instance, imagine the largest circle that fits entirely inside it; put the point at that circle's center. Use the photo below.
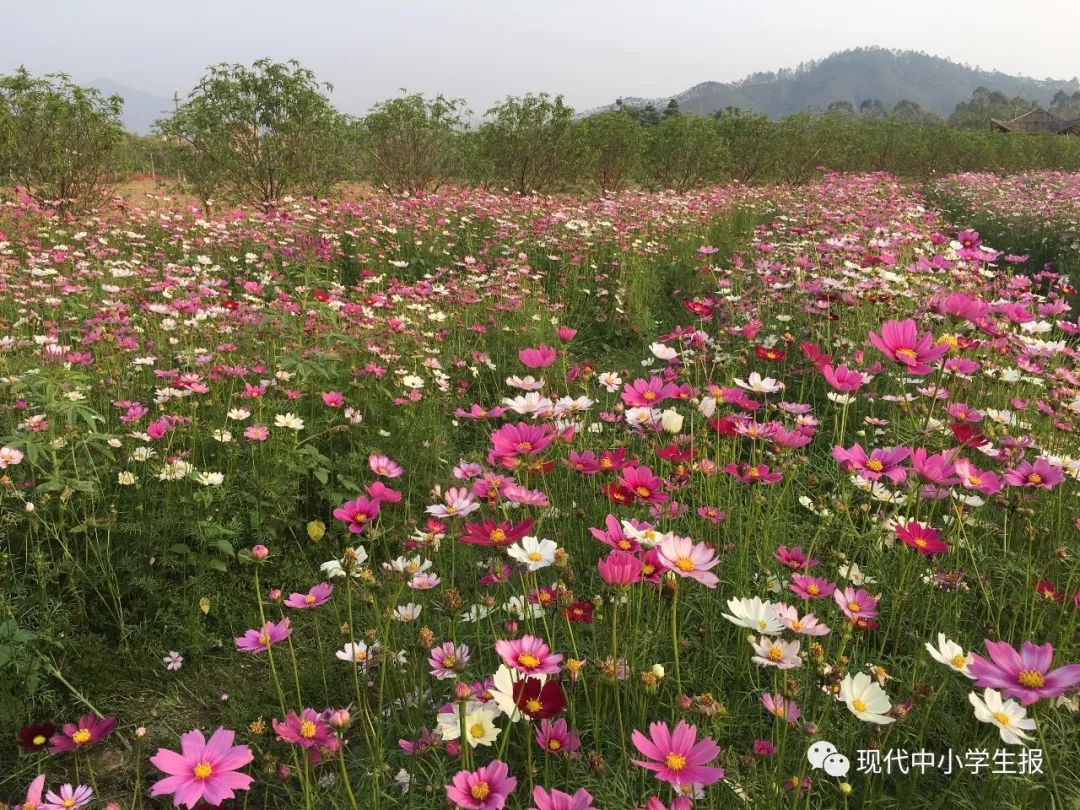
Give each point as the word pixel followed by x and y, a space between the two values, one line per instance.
pixel 743 497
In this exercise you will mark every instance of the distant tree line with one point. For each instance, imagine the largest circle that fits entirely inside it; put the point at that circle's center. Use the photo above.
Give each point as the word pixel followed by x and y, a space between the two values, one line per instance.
pixel 260 133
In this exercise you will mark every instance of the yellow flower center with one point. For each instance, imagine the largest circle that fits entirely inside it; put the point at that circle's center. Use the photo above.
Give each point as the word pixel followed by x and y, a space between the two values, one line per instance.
pixel 974 480
pixel 1003 718
pixel 907 353
pixel 476 730
pixel 81 736
pixel 675 762
pixel 498 536
pixel 528 660
pixel 854 607
pixel 202 770
pixel 776 653
pixel 684 564
pixel 359 655
pixel 67 802
pixel 920 542
pixel 449 661
pixel 554 745
pixel 859 705
pixel 264 640
pixel 780 711
pixel 1032 679
pixel 533 705
pixel 524 447
pixel 875 465
pixel 649 396
pixel 959 661
pixel 813 589
pixel 644 492
pixel 309 600
pixel 307 730
pixel 535 556
pixel 40 739
pixel 1034 478
pixel 606 463
pixel 480 791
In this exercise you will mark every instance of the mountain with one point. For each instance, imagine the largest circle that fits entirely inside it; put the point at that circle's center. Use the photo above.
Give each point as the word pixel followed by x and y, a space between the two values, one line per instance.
pixel 856 75
pixel 140 109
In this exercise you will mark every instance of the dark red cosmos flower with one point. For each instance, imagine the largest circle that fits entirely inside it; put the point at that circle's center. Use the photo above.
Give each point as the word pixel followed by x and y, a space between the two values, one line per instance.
pixel 618 494
pixel 771 354
pixel 490 533
pixel 1047 590
pixel 581 611
pixel 968 435
pixel 320 295
pixel 677 454
pixel 539 701
pixel 35 736
pixel 724 425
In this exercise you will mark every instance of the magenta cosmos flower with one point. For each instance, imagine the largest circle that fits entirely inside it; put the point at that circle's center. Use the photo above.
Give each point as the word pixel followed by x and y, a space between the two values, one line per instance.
pixel 318 595
pixel 1041 474
pixel 384 466
pixel 923 539
pixel 306 730
pixel 647 393
pixel 76 736
pixel 557 800
pixel 486 788
pixel 675 757
pixel 33 794
pixel 880 463
pixel 358 514
pixel 681 555
pixel 541 356
pixel 843 379
pixel 257 641
pixel 528 654
pixel 901 342
pixel 1025 675
pixel 448 660
pixel 521 440
pixel 619 568
pixel 204 770
pixel 679 803
pixel 643 484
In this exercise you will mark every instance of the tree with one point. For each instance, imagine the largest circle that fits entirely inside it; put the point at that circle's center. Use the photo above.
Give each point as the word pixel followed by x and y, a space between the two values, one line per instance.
pixel 613 144
pixel 529 143
pixel 58 140
pixel 685 151
pixel 751 140
pixel 258 134
pixel 412 143
pixel 671 109
pixel 986 104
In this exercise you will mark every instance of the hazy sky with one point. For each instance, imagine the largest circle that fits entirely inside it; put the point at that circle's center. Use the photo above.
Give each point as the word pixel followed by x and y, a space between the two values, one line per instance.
pixel 590 50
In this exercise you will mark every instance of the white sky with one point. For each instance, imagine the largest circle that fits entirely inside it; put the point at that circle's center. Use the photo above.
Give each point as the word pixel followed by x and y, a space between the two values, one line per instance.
pixel 592 51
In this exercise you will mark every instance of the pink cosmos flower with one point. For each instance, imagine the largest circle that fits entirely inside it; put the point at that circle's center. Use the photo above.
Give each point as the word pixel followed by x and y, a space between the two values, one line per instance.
pixel 318 595
pixel 9 456
pixel 936 468
pixel 33 794
pixel 807 587
pixel 68 798
pixel 257 433
pixel 333 399
pixel 681 555
pixel 984 481
pixel 203 770
pixel 486 788
pixel 647 393
pixel 781 708
pixel 528 654
pixel 923 539
pixel 679 803
pixel 384 466
pixel 962 305
pixel 257 641
pixel 556 737
pixel 1025 675
pixel 381 493
pixel 76 736
pixel 643 484
pixel 901 342
pixel 808 625
pixel 557 800
pixel 565 332
pixel 880 463
pixel 794 558
pixel 520 439
pixel 448 660
pixel 540 357
pixel 307 730
pixel 843 379
pixel 358 514
pixel 619 568
pixel 674 756
pixel 857 605
pixel 1041 474
pixel 752 473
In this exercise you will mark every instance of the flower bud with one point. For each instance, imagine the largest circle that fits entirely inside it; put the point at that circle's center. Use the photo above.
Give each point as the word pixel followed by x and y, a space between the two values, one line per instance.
pixel 671 420
pixel 275 594
pixel 339 719
pixel 259 552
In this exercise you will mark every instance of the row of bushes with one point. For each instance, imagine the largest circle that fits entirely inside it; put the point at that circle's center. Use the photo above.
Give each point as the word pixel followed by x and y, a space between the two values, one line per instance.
pixel 257 134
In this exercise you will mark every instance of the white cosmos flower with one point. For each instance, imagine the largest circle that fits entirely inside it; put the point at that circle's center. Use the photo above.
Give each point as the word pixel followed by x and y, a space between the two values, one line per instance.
pixel 357 653
pixel 760 385
pixel 865 699
pixel 950 654
pixel 289 420
pixel 407 613
pixel 612 382
pixel 533 552
pixel 480 728
pixel 210 479
pixel 662 351
pixel 852 573
pixel 1009 716
pixel 239 414
pixel 755 614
